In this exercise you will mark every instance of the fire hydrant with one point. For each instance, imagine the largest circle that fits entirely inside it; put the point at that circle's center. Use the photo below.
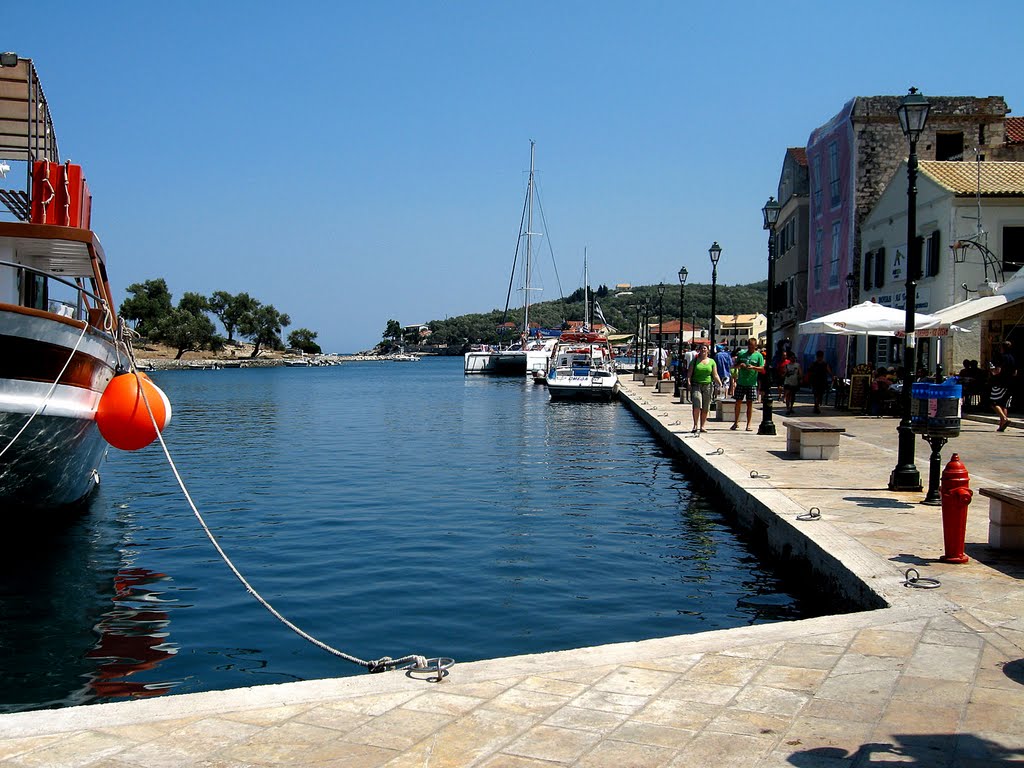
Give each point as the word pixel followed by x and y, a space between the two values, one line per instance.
pixel 956 496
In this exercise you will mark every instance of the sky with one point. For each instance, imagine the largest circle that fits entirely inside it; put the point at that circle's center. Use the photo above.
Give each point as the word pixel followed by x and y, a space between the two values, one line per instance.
pixel 351 163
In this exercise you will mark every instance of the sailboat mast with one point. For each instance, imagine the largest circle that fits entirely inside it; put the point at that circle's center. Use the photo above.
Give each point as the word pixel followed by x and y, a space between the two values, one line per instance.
pixel 586 292
pixel 529 245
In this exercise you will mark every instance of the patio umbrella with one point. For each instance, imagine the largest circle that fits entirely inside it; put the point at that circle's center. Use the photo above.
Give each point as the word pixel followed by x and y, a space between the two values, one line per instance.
pixel 868 319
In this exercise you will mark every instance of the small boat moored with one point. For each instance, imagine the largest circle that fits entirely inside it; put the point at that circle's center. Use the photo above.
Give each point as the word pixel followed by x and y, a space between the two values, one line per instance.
pixel 583 368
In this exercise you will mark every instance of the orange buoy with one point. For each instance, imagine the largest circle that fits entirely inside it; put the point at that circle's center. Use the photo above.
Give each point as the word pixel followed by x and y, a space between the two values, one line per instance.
pixel 122 416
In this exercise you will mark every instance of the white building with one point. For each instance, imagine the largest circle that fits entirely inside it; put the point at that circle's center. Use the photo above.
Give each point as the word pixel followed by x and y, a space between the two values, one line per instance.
pixel 970 226
pixel 734 330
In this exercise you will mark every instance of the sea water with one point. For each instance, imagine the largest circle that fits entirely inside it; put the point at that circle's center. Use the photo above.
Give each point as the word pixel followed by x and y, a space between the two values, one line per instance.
pixel 386 509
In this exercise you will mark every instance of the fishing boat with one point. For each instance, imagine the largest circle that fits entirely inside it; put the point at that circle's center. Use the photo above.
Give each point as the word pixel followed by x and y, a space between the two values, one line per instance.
pixel 58 328
pixel 511 359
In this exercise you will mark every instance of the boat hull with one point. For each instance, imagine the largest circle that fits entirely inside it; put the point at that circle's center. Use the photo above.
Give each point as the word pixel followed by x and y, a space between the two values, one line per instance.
pixel 55 461
pixel 508 363
pixel 583 388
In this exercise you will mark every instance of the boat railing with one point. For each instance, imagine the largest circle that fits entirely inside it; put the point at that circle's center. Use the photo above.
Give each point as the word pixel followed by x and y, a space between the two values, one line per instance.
pixel 81 310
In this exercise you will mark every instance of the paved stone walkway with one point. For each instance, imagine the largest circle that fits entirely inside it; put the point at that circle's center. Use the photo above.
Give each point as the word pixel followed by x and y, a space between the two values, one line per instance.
pixel 936 679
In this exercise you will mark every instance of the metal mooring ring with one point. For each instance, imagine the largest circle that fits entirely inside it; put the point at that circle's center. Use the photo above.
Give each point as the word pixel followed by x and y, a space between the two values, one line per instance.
pixel 716 452
pixel 755 475
pixel 918 581
pixel 438 667
pixel 811 514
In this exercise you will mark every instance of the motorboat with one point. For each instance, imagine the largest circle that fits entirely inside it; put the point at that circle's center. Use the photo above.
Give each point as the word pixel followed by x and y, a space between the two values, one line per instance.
pixel 583 368
pixel 61 335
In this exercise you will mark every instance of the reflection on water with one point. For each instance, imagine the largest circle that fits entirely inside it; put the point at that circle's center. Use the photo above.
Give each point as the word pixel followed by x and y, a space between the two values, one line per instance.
pixel 384 508
pixel 132 637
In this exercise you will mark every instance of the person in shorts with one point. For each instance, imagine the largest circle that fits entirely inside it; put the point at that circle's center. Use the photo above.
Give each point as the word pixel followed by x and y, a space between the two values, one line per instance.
pixel 749 363
pixel 704 380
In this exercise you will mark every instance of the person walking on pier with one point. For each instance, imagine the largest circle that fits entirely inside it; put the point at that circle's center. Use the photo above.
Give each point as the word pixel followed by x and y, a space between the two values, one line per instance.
pixel 703 377
pixel 750 363
pixel 1004 377
pixel 723 361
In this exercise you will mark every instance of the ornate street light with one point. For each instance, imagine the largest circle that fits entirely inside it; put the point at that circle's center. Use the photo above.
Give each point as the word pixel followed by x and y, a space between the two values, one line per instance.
pixel 661 322
pixel 715 252
pixel 636 339
pixel 771 212
pixel 683 272
pixel 913 114
pixel 647 334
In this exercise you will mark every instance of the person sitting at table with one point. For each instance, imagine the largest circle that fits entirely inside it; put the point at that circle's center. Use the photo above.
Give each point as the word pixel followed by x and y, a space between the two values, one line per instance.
pixel 880 393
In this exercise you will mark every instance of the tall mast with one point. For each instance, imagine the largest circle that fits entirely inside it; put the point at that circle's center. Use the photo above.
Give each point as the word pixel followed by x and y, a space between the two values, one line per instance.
pixel 586 293
pixel 529 244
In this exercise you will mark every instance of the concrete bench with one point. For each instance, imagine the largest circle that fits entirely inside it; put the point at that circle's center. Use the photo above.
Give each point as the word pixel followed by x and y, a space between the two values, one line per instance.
pixel 638 376
pixel 666 385
pixel 726 410
pixel 1005 517
pixel 813 439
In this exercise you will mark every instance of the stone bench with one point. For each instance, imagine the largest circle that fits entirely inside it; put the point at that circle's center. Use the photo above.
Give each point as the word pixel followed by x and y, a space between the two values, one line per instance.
pixel 726 410
pixel 666 385
pixel 1005 517
pixel 813 439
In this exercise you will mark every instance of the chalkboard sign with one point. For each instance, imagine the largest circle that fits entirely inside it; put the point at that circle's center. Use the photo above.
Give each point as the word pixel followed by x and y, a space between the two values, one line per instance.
pixel 860 387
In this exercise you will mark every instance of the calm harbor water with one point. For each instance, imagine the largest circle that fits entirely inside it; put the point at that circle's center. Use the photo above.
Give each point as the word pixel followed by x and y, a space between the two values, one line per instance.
pixel 386 508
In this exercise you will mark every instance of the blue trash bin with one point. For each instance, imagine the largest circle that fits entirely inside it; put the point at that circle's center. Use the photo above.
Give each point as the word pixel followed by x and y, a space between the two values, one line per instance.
pixel 935 409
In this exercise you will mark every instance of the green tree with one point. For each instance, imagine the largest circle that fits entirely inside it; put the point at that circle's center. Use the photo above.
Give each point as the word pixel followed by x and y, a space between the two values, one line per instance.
pixel 393 331
pixel 231 310
pixel 148 304
pixel 186 327
pixel 263 327
pixel 304 339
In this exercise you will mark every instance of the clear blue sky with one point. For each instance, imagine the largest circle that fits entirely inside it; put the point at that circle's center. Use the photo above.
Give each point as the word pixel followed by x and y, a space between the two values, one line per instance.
pixel 354 162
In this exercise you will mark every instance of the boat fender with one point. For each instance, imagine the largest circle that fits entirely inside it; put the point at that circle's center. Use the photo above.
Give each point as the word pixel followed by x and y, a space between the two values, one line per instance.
pixel 122 416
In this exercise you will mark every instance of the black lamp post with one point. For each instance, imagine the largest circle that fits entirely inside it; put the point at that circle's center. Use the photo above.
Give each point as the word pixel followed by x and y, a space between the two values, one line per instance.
pixel 715 252
pixel 661 322
pixel 851 341
pixel 913 114
pixel 771 212
pixel 679 351
pixel 636 340
pixel 647 334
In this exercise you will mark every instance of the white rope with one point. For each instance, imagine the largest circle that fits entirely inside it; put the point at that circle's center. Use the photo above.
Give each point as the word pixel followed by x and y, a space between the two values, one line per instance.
pixel 380 665
pixel 49 394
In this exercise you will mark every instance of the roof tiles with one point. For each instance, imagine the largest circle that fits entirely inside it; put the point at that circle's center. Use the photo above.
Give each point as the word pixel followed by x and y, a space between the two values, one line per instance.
pixel 962 178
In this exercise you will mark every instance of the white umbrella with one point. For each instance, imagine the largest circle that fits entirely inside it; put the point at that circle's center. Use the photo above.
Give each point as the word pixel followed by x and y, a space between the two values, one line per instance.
pixel 868 319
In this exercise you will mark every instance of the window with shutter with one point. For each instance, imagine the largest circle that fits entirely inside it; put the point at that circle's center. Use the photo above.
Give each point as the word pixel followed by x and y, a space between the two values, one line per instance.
pixel 868 274
pixel 880 267
pixel 933 255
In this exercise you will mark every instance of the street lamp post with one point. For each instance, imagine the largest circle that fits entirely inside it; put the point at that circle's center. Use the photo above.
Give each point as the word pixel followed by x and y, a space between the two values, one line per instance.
pixel 647 334
pixel 715 252
pixel 851 341
pixel 661 322
pixel 913 114
pixel 636 340
pixel 771 212
pixel 683 272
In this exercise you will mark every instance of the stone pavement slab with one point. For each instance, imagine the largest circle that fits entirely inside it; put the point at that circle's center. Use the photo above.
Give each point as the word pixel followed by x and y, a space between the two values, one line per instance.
pixel 930 678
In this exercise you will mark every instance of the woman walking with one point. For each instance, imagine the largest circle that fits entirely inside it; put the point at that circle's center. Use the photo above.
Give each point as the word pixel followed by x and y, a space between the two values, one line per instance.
pixel 702 377
pixel 792 375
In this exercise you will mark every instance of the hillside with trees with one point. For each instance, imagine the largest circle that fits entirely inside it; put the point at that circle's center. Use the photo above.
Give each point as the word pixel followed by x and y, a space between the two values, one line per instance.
pixel 619 310
pixel 188 327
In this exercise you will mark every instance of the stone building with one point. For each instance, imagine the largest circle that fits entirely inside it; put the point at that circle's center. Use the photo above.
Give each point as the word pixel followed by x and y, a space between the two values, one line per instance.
pixel 970 222
pixel 851 160
pixel 789 302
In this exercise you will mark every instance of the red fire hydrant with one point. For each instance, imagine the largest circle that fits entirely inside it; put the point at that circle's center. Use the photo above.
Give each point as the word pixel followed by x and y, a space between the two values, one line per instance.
pixel 956 496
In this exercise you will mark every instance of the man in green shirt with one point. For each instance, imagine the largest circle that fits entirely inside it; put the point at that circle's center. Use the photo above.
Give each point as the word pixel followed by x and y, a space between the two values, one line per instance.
pixel 749 363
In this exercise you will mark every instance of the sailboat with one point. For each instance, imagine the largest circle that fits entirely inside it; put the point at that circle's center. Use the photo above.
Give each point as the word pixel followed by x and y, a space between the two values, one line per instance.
pixel 583 363
pixel 513 359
